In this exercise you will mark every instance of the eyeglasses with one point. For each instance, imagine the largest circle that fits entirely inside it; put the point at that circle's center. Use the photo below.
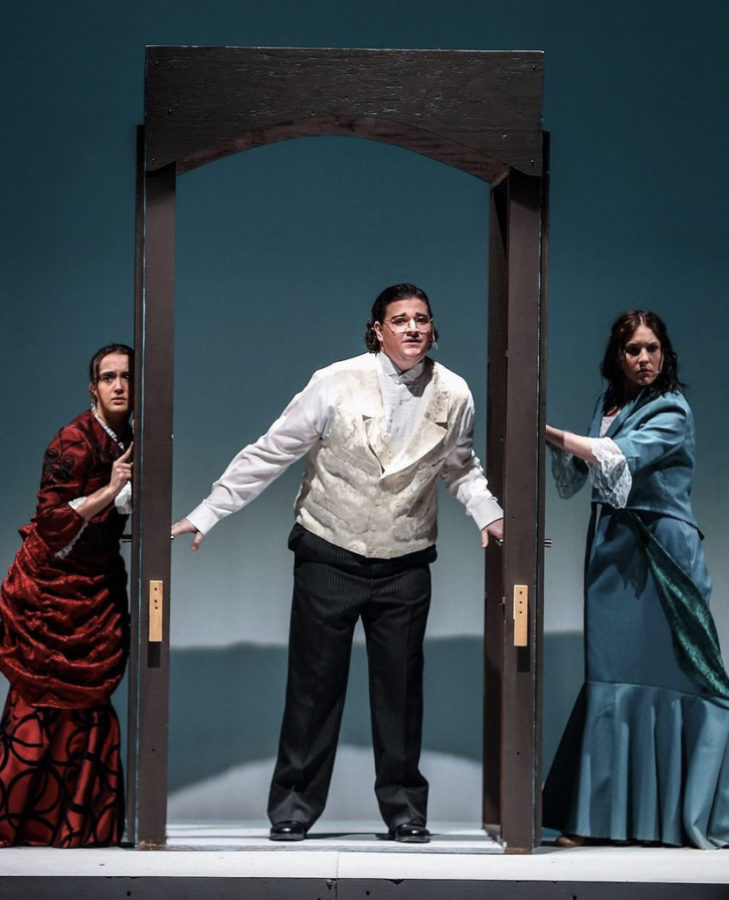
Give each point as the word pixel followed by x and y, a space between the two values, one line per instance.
pixel 400 324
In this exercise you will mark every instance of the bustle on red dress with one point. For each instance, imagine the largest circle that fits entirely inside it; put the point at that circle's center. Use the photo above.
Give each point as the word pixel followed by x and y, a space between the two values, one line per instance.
pixel 64 638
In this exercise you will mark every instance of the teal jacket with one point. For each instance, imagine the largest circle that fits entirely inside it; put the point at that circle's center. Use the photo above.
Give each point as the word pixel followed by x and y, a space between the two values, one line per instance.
pixel 656 436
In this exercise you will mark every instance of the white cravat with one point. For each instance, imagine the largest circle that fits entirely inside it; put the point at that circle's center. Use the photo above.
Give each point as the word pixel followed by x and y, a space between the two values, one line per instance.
pixel 402 398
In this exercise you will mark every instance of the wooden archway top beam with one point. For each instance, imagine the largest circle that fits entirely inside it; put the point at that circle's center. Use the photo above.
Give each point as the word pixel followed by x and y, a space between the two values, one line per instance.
pixel 416 139
pixel 479 111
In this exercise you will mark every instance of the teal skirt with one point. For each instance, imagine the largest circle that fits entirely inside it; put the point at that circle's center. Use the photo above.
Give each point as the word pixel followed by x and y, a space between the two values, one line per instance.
pixel 645 754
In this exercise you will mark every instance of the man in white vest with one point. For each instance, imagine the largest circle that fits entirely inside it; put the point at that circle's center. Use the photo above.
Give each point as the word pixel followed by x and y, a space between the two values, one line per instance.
pixel 378 431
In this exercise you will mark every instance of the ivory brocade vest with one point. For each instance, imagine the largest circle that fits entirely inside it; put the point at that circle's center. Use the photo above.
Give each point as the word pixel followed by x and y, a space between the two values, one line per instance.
pixel 354 494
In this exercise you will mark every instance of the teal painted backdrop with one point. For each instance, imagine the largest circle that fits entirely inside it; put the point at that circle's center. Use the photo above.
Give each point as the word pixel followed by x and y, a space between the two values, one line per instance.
pixel 280 252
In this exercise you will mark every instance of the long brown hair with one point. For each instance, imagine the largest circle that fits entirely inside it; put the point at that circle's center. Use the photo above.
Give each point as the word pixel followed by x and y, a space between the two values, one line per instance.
pixel 612 370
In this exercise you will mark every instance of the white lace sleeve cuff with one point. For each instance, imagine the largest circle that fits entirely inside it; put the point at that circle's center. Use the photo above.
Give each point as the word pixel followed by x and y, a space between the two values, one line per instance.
pixel 123 500
pixel 610 475
pixel 569 472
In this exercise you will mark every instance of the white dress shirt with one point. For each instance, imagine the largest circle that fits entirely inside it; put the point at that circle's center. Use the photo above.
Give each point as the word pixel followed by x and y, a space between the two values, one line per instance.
pixel 307 419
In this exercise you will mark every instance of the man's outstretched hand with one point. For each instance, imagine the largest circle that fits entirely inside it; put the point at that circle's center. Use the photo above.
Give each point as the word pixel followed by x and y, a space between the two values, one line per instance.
pixel 493 529
pixel 185 526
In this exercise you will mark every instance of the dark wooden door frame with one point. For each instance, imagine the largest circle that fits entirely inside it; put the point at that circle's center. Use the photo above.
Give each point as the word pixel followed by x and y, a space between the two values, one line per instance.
pixel 479 111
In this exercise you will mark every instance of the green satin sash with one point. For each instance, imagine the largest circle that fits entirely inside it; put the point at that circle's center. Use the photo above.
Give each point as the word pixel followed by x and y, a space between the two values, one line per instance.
pixel 695 639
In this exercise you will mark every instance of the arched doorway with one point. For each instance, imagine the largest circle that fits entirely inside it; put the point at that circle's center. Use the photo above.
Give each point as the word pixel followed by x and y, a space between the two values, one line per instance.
pixel 477 110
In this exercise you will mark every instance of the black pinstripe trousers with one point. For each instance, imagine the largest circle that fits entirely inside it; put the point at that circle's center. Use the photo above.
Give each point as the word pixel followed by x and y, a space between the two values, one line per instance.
pixel 332 589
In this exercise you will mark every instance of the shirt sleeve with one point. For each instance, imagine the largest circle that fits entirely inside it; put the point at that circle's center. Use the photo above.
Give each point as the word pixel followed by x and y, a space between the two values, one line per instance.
pixel 305 420
pixel 463 474
pixel 66 465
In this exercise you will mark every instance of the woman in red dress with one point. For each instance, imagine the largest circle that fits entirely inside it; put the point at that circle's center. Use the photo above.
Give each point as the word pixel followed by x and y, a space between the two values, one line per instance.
pixel 64 630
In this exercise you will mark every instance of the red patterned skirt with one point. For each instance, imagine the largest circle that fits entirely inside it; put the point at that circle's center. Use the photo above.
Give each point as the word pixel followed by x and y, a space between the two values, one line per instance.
pixel 63 646
pixel 61 780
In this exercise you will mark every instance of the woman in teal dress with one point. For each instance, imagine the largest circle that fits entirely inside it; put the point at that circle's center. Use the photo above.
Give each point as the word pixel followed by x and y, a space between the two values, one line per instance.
pixel 644 756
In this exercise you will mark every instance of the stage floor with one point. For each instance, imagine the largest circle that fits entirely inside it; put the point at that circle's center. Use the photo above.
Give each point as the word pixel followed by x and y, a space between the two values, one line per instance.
pixel 343 861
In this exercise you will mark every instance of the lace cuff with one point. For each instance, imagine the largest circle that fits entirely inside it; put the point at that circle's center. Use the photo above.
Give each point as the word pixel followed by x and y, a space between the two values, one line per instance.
pixel 123 500
pixel 569 472
pixel 610 475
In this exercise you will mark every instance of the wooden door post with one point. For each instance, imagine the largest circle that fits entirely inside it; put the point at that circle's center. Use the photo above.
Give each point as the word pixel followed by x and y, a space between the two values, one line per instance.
pixel 150 594
pixel 512 717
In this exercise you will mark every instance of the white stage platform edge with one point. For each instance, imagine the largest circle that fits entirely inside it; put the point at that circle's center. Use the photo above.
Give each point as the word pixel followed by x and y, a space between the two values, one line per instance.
pixel 345 850
pixel 346 861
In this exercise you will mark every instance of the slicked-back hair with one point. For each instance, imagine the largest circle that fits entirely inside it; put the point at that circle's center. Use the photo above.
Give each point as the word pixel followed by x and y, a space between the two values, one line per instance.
pixel 105 351
pixel 390 295
pixel 611 368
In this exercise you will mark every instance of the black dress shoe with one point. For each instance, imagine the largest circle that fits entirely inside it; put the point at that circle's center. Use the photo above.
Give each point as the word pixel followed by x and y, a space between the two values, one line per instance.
pixel 287 831
pixel 408 833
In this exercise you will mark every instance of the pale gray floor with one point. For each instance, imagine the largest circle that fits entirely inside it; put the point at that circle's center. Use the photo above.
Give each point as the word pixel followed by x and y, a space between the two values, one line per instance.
pixel 354 851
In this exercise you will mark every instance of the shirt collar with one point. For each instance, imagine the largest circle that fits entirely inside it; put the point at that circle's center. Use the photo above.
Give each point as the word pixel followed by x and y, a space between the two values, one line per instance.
pixel 392 371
